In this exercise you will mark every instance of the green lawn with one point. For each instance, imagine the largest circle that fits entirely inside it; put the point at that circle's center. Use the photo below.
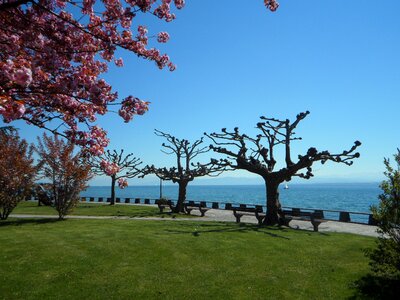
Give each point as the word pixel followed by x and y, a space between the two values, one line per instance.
pixel 96 209
pixel 142 259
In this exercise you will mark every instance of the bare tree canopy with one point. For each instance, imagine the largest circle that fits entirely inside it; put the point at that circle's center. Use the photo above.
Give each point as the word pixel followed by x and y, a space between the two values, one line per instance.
pixel 257 155
pixel 118 166
pixel 185 170
pixel 128 164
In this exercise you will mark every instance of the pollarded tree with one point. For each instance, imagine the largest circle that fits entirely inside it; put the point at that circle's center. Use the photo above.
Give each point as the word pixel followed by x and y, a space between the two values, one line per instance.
pixel 17 171
pixel 255 156
pixel 117 166
pixel 53 54
pixel 67 172
pixel 185 171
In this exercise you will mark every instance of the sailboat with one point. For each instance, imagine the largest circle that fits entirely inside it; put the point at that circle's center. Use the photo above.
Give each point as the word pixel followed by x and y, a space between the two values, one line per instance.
pixel 286 186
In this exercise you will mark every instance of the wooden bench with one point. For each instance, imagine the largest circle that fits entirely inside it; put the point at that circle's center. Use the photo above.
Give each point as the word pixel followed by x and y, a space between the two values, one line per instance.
pixel 257 211
pixel 163 204
pixel 316 217
pixel 198 206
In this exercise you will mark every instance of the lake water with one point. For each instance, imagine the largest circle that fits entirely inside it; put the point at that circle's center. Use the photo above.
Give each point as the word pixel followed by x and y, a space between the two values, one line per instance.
pixel 356 197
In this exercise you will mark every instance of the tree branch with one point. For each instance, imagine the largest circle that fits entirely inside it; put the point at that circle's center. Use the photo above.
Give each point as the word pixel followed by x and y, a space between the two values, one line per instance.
pixel 13 4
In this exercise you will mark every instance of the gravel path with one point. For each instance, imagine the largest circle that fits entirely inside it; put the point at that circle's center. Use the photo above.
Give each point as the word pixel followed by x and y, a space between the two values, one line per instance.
pixel 227 216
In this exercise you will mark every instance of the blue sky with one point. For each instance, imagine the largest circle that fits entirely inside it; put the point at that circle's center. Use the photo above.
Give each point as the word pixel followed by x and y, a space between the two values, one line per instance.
pixel 338 59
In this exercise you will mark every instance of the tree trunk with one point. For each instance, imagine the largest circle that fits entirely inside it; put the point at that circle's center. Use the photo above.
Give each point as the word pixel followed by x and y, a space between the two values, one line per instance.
pixel 181 198
pixel 273 204
pixel 112 199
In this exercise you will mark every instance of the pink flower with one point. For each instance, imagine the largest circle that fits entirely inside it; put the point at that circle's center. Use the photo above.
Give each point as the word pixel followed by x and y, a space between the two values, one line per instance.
pixel 171 67
pixel 163 37
pixel 23 76
pixel 12 111
pixel 131 106
pixel 179 3
pixel 53 61
pixel 142 30
pixel 109 168
pixel 122 183
pixel 119 62
pixel 272 5
pixel 20 110
pixel 96 150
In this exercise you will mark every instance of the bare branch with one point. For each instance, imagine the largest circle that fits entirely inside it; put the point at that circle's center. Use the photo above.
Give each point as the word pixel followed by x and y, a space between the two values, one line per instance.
pixel 128 165
pixel 185 151
pixel 261 160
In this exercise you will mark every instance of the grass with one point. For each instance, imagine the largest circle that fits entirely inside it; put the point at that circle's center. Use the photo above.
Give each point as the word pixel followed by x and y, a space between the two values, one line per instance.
pixel 142 259
pixel 96 209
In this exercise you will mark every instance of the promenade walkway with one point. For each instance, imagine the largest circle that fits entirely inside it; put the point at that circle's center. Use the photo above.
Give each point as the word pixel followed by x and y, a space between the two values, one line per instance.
pixel 227 216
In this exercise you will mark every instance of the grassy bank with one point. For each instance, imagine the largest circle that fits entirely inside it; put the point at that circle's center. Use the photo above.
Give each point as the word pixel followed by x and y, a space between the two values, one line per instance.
pixel 95 209
pixel 126 259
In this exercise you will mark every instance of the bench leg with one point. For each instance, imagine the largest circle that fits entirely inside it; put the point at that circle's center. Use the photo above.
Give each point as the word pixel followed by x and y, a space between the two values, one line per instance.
pixel 315 225
pixel 260 220
pixel 202 212
pixel 285 221
pixel 188 211
pixel 238 218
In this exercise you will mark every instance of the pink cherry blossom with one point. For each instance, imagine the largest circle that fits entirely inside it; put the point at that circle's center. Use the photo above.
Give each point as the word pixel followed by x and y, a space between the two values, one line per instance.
pixel 119 62
pixel 179 3
pixel 171 66
pixel 11 111
pixel 142 30
pixel 272 5
pixel 163 37
pixel 131 106
pixel 109 168
pixel 23 77
pixel 52 61
pixel 122 183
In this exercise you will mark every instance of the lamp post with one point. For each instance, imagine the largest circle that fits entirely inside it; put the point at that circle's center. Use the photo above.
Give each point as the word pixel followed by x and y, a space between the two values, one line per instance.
pixel 160 188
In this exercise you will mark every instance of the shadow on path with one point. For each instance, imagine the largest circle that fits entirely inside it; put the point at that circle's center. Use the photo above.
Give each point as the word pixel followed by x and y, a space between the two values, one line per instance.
pixel 203 228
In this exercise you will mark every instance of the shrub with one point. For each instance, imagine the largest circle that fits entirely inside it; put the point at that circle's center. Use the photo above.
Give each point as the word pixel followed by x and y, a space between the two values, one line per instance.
pixel 385 259
pixel 67 172
pixel 17 171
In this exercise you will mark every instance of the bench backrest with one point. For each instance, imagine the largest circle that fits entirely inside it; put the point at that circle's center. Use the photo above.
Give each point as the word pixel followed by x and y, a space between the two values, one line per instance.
pixel 248 209
pixel 295 212
pixel 193 204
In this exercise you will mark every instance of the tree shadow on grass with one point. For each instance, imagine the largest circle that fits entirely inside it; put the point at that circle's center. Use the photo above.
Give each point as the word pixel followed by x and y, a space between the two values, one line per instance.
pixel 375 287
pixel 20 222
pixel 308 231
pixel 157 214
pixel 124 211
pixel 228 227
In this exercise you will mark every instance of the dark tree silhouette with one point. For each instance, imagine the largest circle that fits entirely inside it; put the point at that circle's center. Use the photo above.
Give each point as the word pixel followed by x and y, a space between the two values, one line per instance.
pixel 185 171
pixel 247 153
pixel 118 167
pixel 17 171
pixel 8 130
